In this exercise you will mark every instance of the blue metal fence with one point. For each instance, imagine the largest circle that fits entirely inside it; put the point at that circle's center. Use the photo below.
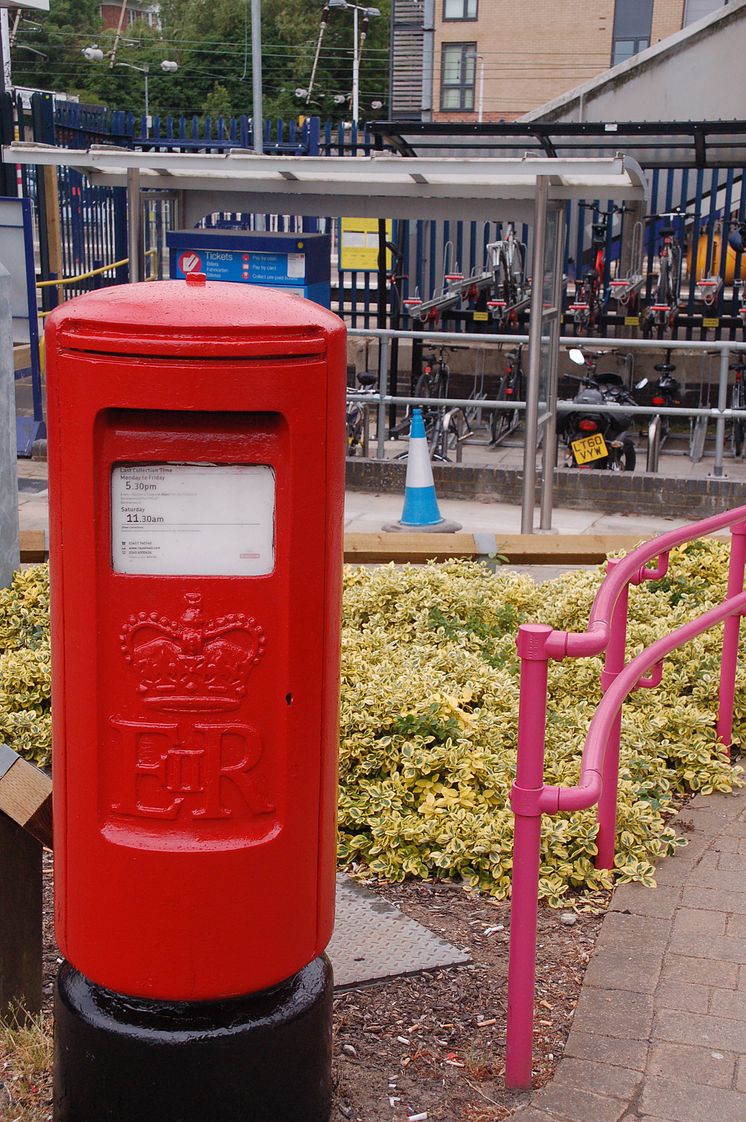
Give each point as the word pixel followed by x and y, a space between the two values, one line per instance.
pixel 94 218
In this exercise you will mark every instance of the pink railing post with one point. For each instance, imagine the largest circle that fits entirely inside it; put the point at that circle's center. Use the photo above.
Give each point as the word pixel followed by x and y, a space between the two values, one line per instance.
pixel 613 664
pixel 729 659
pixel 524 798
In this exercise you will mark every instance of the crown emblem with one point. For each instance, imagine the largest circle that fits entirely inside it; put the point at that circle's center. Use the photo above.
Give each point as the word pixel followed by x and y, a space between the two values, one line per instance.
pixel 192 663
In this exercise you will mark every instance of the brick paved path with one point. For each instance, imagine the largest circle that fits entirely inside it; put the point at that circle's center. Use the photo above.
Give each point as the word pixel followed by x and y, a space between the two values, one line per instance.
pixel 660 1028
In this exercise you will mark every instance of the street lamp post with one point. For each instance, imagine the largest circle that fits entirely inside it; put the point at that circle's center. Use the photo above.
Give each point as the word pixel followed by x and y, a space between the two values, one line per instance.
pixel 368 13
pixel 145 71
pixel 95 54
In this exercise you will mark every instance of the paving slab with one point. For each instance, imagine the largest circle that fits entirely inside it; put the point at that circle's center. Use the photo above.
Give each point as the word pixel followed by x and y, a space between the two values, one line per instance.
pixel 687 1101
pixel 585 1045
pixel 691 1063
pixel 700 971
pixel 684 996
pixel 608 1079
pixel 374 941
pixel 673 1050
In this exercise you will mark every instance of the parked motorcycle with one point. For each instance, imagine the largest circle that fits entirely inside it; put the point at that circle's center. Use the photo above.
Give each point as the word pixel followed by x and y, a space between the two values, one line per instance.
pixel 593 437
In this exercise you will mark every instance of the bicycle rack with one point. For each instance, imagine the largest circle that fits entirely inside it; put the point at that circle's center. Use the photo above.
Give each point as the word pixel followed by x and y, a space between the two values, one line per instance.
pixel 740 296
pixel 469 287
pixel 428 310
pixel 708 290
pixel 654 444
pixel 500 310
pixel 698 440
pixel 624 289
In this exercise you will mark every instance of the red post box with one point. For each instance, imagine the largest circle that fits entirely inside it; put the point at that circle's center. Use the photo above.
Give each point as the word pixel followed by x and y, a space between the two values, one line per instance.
pixel 196 444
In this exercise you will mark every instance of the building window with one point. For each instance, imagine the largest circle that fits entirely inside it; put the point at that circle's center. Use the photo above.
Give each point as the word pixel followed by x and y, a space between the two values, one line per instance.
pixel 698 9
pixel 459 9
pixel 458 67
pixel 633 20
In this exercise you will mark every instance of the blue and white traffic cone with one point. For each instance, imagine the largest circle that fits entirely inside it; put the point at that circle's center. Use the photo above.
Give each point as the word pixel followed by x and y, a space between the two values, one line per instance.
pixel 421 510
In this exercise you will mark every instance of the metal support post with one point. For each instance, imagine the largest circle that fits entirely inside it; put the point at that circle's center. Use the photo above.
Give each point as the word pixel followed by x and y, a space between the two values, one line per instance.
pixel 383 377
pixel 257 112
pixel 355 68
pixel 524 799
pixel 731 628
pixel 718 470
pixel 550 425
pixel 134 224
pixel 613 664
pixel 534 356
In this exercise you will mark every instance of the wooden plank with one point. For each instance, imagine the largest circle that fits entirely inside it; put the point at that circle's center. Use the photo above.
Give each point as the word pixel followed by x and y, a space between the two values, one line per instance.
pixel 34 546
pixel 518 549
pixel 21 949
pixel 54 225
pixel 21 356
pixel 26 795
pixel 417 548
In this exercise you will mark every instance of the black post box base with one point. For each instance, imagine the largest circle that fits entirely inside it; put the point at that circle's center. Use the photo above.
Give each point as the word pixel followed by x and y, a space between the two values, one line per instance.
pixel 265 1057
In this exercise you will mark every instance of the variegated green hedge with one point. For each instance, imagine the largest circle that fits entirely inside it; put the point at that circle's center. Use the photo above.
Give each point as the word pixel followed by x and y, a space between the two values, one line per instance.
pixel 429 721
pixel 429 716
pixel 25 707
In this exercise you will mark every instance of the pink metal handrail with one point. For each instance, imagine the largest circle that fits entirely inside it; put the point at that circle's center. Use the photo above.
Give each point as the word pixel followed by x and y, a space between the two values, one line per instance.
pixel 530 797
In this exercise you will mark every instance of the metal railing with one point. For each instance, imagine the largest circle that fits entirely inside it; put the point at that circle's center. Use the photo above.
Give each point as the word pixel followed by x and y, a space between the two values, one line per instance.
pixel 599 774
pixel 379 397
pixel 60 283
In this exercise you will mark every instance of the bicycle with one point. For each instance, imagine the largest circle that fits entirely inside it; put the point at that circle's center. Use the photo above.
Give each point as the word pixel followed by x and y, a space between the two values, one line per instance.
pixel 663 308
pixel 504 421
pixel 737 242
pixel 357 416
pixel 446 429
pixel 432 382
pixel 451 430
pixel 668 394
pixel 508 262
pixel 589 301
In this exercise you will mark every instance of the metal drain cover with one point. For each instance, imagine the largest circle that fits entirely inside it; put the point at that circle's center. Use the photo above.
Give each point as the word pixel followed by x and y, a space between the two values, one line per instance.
pixel 373 940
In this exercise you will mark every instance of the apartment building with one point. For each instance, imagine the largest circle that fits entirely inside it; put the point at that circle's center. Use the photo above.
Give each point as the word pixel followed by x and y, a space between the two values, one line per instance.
pixel 494 60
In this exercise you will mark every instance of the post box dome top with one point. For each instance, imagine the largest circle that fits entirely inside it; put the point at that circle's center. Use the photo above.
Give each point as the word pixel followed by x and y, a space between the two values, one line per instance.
pixel 210 319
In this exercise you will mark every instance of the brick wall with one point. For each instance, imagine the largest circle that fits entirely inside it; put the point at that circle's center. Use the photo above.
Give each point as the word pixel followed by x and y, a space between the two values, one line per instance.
pixel 606 491
pixel 668 18
pixel 535 51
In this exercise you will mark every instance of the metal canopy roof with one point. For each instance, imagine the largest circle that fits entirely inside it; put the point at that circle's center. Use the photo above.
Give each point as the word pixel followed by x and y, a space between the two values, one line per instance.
pixel 696 144
pixel 373 186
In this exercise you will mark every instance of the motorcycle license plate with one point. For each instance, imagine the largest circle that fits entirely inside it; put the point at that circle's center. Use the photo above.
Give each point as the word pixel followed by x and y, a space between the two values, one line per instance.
pixel 589 448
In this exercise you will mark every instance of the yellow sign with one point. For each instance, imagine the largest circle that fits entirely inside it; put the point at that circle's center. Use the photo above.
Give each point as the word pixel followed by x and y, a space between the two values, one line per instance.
pixel 707 322
pixel 631 321
pixel 480 317
pixel 590 448
pixel 358 243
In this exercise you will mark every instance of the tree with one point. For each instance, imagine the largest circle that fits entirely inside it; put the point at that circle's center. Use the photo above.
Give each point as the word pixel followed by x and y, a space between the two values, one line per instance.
pixel 218 102
pixel 211 42
pixel 59 36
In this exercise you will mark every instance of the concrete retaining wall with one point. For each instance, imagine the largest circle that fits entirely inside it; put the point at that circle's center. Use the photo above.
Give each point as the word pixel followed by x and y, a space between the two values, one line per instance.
pixel 611 493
